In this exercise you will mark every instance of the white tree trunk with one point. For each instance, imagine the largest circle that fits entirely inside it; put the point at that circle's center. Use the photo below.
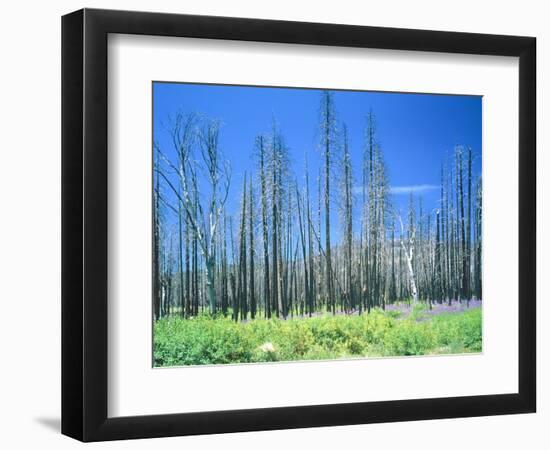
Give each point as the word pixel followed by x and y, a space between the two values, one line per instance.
pixel 411 277
pixel 210 283
pixel 409 255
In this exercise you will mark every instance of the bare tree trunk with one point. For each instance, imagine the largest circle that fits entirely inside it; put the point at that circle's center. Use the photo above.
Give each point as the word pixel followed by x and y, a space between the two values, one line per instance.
pixel 408 250
pixel 180 259
pixel 251 242
pixel 267 302
pixel 224 280
pixel 478 242
pixel 464 256
pixel 348 215
pixel 310 249
pixel 210 268
pixel 320 275
pixel 414 292
pixel 469 229
pixel 235 295
pixel 327 124
pixel 156 252
pixel 275 239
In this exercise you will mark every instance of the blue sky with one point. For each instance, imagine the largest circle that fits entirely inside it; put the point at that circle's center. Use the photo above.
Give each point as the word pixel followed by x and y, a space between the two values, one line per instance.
pixel 416 131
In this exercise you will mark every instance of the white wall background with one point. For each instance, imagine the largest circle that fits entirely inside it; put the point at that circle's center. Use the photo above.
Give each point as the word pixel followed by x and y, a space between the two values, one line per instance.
pixel 30 222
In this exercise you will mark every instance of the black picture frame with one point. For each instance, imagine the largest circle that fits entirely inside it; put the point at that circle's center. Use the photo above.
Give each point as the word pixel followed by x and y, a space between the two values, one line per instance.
pixel 84 224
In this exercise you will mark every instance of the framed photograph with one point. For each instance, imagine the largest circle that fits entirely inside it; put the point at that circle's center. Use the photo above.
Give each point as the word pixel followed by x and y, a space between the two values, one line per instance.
pixel 273 224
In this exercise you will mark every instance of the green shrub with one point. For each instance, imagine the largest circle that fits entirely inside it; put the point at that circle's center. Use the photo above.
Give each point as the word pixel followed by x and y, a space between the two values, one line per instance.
pixel 410 338
pixel 219 340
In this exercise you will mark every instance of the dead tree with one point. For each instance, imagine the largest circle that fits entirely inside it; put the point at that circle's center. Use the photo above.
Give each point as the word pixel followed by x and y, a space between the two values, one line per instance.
pixel 408 246
pixel 327 147
pixel 204 221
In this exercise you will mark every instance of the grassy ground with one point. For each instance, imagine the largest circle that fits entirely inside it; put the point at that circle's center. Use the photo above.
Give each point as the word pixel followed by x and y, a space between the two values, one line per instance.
pixel 208 340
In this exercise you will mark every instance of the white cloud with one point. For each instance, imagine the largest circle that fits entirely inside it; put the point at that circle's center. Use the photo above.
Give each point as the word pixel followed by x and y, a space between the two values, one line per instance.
pixel 397 190
pixel 415 188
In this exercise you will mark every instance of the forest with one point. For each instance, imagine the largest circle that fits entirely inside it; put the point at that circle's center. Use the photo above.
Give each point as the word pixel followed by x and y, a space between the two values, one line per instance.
pixel 309 264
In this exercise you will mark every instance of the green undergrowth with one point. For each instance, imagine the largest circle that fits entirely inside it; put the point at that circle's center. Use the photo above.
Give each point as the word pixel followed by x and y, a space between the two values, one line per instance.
pixel 208 340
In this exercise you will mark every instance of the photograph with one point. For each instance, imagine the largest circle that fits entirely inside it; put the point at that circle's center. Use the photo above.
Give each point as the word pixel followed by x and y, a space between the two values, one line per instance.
pixel 275 225
pixel 296 224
